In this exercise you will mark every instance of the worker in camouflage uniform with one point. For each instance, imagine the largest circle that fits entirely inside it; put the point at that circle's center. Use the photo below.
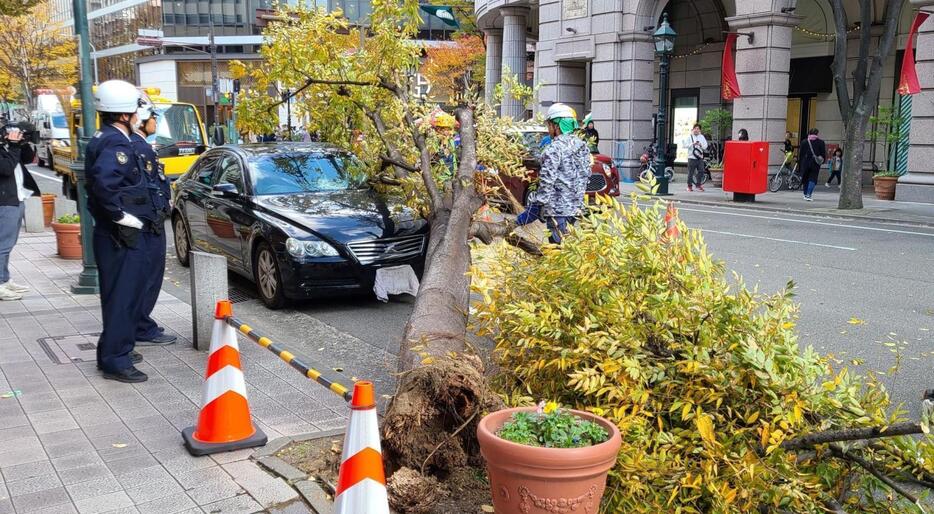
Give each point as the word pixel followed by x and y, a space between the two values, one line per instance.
pixel 562 180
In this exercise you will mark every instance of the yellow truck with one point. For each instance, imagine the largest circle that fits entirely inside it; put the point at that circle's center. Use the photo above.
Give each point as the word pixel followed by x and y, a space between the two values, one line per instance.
pixel 180 138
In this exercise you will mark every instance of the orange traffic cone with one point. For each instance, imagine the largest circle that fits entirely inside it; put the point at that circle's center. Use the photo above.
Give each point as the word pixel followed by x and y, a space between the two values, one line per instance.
pixel 671 223
pixel 224 423
pixel 361 484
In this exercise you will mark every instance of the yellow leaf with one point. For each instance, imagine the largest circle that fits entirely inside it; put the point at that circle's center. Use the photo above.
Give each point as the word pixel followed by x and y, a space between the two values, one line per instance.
pixel 856 321
pixel 705 428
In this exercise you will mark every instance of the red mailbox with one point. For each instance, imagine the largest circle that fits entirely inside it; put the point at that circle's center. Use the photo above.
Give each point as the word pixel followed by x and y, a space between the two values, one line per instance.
pixel 746 169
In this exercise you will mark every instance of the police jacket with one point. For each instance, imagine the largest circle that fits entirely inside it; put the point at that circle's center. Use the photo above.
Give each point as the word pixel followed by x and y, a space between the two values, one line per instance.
pixel 116 179
pixel 10 156
pixel 157 184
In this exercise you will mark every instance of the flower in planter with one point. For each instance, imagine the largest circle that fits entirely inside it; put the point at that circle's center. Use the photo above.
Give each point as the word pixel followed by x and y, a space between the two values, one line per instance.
pixel 552 427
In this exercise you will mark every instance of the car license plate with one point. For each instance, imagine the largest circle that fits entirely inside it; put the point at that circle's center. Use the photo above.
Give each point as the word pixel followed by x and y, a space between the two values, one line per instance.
pixel 186 151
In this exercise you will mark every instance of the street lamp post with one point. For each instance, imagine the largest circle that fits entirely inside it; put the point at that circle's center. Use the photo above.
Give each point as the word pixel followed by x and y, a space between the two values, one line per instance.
pixel 87 280
pixel 664 46
pixel 214 84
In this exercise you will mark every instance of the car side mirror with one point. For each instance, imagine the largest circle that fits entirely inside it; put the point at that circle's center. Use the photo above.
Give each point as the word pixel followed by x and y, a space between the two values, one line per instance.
pixel 225 190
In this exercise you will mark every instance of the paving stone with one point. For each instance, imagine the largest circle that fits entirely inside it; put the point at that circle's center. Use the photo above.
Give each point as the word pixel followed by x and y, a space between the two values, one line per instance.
pixel 41 499
pixel 168 505
pixel 144 476
pixel 281 468
pixel 23 456
pixel 77 460
pixel 30 470
pixel 242 504
pixel 194 478
pixel 94 488
pixel 33 485
pixel 20 443
pixel 214 490
pixel 104 503
pixel 52 421
pixel 149 491
pixel 63 508
pixel 76 475
pixel 131 464
pixel 263 487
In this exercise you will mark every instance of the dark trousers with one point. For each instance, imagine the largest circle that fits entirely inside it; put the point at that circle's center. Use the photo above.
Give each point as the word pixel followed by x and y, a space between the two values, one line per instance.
pixel 832 175
pixel 123 274
pixel 695 171
pixel 147 328
pixel 558 226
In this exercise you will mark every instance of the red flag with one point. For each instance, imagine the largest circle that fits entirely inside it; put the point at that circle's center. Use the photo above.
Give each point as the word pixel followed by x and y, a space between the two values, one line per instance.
pixel 908 84
pixel 729 88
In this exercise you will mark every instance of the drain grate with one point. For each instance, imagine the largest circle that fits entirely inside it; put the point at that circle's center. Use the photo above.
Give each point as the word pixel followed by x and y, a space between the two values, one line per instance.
pixel 68 349
pixel 237 294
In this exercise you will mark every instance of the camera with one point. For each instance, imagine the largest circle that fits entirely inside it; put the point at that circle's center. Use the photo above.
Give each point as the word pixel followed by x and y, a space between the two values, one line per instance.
pixel 28 130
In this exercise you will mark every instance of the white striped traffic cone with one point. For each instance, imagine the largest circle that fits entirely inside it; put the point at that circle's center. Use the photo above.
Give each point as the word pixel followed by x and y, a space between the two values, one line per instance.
pixel 224 423
pixel 361 485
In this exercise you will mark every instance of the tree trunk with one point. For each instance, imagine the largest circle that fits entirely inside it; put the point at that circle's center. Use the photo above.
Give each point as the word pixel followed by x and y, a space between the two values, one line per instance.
pixel 851 188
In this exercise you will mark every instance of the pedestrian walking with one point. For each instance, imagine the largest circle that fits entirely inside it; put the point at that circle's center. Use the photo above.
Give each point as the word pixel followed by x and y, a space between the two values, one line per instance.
pixel 836 166
pixel 696 145
pixel 16 185
pixel 148 332
pixel 124 213
pixel 743 135
pixel 562 182
pixel 811 156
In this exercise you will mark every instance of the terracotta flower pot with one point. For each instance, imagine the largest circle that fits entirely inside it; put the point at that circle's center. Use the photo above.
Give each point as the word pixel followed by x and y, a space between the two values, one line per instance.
pixel 885 187
pixel 716 178
pixel 68 237
pixel 532 480
pixel 48 208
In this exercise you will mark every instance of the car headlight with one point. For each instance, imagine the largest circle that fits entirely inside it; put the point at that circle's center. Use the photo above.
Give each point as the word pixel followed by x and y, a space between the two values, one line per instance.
pixel 299 248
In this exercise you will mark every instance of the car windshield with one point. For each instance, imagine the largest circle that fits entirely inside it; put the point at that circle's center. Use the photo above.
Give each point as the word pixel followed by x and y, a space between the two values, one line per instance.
pixel 59 121
pixel 533 143
pixel 306 172
pixel 178 124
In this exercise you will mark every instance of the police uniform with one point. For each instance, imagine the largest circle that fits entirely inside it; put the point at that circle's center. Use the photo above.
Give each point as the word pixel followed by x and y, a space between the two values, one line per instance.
pixel 154 241
pixel 117 184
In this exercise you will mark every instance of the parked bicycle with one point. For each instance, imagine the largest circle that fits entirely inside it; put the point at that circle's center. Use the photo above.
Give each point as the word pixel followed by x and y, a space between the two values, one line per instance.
pixel 648 164
pixel 787 175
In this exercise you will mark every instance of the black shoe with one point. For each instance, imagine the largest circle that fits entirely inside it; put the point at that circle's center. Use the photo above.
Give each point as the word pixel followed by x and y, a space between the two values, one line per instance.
pixel 159 340
pixel 135 358
pixel 129 375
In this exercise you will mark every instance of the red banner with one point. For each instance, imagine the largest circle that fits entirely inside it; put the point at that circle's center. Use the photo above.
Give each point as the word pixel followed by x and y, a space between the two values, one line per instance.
pixel 729 86
pixel 908 84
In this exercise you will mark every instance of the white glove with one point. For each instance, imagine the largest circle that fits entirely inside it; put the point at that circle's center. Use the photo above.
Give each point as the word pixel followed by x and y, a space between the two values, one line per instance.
pixel 128 220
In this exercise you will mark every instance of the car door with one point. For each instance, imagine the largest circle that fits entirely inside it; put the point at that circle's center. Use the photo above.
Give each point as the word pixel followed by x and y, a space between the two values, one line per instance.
pixel 197 198
pixel 227 219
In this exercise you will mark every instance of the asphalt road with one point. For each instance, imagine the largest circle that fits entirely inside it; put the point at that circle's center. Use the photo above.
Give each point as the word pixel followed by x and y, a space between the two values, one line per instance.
pixel 859 285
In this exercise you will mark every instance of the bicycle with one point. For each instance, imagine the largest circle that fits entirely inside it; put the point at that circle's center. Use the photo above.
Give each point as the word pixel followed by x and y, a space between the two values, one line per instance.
pixel 648 165
pixel 786 174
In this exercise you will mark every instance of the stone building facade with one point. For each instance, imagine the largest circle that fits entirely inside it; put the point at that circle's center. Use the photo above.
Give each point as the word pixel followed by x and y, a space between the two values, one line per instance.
pixel 598 56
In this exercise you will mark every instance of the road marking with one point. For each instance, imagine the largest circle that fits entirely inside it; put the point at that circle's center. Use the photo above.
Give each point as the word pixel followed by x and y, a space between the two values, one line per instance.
pixel 792 220
pixel 778 240
pixel 43 175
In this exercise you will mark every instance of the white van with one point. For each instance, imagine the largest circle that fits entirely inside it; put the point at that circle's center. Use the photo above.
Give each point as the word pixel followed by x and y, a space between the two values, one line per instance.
pixel 53 131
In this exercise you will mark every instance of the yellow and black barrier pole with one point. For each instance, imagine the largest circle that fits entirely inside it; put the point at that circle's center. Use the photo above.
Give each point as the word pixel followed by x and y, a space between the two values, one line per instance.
pixel 290 359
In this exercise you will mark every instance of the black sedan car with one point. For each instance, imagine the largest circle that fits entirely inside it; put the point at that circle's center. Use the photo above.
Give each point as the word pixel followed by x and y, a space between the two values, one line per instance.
pixel 299 219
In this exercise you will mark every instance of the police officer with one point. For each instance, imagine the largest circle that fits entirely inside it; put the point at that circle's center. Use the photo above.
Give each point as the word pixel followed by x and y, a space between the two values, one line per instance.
pixel 148 333
pixel 122 206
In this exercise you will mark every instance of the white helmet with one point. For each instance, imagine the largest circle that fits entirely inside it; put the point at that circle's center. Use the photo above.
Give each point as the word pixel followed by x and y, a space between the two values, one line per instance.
pixel 146 111
pixel 560 110
pixel 117 96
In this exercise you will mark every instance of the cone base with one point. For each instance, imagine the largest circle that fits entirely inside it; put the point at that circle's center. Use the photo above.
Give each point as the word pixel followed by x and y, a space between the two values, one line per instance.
pixel 200 448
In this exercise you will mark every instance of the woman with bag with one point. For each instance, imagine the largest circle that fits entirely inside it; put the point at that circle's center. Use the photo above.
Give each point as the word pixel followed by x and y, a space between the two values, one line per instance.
pixel 811 156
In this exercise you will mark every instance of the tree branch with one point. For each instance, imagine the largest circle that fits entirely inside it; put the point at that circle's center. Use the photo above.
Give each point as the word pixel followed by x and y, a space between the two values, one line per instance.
pixel 840 453
pixel 893 12
pixel 865 37
pixel 310 82
pixel 850 434
pixel 397 163
pixel 839 59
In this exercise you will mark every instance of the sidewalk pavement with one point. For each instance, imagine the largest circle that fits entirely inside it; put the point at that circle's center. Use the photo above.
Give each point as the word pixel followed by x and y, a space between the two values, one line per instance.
pixel 824 204
pixel 71 441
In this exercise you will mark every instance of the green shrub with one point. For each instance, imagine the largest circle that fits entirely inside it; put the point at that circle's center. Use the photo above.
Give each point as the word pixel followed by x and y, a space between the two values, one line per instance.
pixel 552 427
pixel 69 219
pixel 704 378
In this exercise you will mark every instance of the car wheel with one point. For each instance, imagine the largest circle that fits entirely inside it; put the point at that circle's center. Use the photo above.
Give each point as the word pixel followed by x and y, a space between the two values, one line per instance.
pixel 182 241
pixel 267 277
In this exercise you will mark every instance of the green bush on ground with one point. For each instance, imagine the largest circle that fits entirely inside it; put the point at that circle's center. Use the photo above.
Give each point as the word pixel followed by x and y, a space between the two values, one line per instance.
pixel 704 378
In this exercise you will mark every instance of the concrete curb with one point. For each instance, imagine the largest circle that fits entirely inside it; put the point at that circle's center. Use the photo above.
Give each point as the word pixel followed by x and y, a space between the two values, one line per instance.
pixel 815 214
pixel 310 490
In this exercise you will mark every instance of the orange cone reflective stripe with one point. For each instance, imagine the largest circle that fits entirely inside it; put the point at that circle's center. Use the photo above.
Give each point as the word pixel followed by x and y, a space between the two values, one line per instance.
pixel 361 484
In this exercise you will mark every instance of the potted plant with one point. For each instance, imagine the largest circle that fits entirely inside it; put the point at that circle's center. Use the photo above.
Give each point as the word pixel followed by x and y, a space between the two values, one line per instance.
pixel 48 208
pixel 884 183
pixel 68 236
pixel 717 123
pixel 545 460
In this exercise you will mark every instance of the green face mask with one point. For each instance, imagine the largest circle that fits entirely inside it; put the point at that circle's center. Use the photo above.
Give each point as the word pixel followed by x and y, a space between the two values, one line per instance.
pixel 567 125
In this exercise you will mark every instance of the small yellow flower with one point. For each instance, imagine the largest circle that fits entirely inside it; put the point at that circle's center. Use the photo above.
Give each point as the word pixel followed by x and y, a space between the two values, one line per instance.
pixel 550 407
